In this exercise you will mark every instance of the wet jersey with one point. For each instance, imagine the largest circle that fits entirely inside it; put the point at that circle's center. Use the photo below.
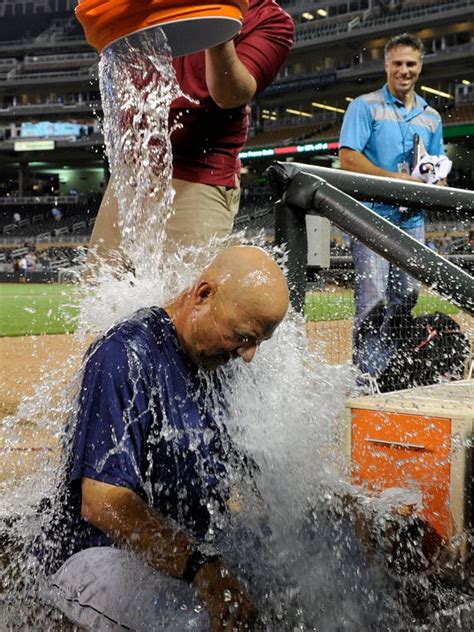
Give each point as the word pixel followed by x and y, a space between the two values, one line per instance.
pixel 148 421
pixel 378 126
pixel 206 146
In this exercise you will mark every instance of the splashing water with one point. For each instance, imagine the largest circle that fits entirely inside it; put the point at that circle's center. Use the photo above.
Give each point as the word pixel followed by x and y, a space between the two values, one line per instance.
pixel 138 85
pixel 292 529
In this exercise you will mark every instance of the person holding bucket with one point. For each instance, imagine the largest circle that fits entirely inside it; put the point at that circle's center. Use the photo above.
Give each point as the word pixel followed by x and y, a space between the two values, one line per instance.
pixel 220 81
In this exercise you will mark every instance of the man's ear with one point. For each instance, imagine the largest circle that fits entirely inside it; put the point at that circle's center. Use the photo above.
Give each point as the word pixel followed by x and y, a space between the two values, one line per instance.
pixel 204 291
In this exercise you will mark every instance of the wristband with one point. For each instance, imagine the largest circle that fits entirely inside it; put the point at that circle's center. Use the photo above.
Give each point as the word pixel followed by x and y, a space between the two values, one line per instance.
pixel 203 554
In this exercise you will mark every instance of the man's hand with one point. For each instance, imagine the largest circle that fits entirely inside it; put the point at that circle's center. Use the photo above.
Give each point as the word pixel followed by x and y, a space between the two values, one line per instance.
pixel 352 160
pixel 229 605
pixel 407 176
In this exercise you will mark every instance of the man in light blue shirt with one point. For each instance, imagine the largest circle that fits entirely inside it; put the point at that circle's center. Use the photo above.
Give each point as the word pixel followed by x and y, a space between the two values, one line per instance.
pixel 377 138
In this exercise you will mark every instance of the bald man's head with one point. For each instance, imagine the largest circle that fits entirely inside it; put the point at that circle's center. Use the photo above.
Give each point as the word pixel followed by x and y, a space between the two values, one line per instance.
pixel 237 302
pixel 249 275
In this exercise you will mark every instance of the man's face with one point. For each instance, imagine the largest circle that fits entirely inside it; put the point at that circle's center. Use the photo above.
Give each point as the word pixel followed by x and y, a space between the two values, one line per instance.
pixel 403 66
pixel 225 328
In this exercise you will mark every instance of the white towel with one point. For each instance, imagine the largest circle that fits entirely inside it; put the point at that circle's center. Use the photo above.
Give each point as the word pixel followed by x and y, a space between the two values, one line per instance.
pixel 432 169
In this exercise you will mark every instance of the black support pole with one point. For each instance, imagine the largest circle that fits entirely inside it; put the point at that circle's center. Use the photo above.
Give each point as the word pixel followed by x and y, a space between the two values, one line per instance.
pixel 290 230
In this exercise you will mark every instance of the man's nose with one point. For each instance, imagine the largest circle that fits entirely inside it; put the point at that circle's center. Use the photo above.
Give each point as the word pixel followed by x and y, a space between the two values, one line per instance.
pixel 247 353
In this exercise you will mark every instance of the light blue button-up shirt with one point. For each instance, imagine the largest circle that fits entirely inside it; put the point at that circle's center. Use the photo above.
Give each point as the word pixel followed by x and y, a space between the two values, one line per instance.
pixel 378 126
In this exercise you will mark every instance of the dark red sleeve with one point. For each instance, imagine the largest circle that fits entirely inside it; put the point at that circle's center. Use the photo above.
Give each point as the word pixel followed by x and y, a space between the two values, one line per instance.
pixel 265 41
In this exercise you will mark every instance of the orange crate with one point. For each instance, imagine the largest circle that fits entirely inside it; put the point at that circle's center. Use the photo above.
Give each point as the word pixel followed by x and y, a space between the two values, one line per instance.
pixel 398 450
pixel 419 439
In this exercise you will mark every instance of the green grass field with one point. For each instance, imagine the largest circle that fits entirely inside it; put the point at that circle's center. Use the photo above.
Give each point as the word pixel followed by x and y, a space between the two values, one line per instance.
pixel 33 309
pixel 36 309
pixel 339 305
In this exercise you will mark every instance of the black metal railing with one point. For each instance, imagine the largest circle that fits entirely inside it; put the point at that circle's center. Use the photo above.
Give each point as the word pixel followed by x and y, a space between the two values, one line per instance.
pixel 301 192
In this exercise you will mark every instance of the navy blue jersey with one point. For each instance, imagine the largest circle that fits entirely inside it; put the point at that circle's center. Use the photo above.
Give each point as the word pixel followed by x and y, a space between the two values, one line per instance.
pixel 146 420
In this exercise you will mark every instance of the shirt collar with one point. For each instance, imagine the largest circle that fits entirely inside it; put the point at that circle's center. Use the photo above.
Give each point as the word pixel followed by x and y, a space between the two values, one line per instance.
pixel 420 104
pixel 172 337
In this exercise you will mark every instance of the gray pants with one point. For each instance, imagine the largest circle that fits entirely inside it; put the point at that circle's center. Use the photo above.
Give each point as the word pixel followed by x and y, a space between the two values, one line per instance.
pixel 108 589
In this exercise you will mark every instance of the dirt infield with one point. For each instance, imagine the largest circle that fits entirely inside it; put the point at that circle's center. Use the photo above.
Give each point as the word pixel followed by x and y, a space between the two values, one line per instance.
pixel 26 360
pixel 26 363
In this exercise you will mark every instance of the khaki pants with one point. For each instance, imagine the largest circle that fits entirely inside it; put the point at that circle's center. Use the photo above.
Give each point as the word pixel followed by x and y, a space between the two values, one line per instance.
pixel 201 211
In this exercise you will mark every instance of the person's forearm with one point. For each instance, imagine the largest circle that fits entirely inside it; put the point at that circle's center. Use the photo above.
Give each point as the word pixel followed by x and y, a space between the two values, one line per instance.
pixel 352 160
pixel 229 82
pixel 130 522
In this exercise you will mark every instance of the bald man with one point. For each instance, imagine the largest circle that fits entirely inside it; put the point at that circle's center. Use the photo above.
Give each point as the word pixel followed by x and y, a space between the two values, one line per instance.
pixel 149 463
